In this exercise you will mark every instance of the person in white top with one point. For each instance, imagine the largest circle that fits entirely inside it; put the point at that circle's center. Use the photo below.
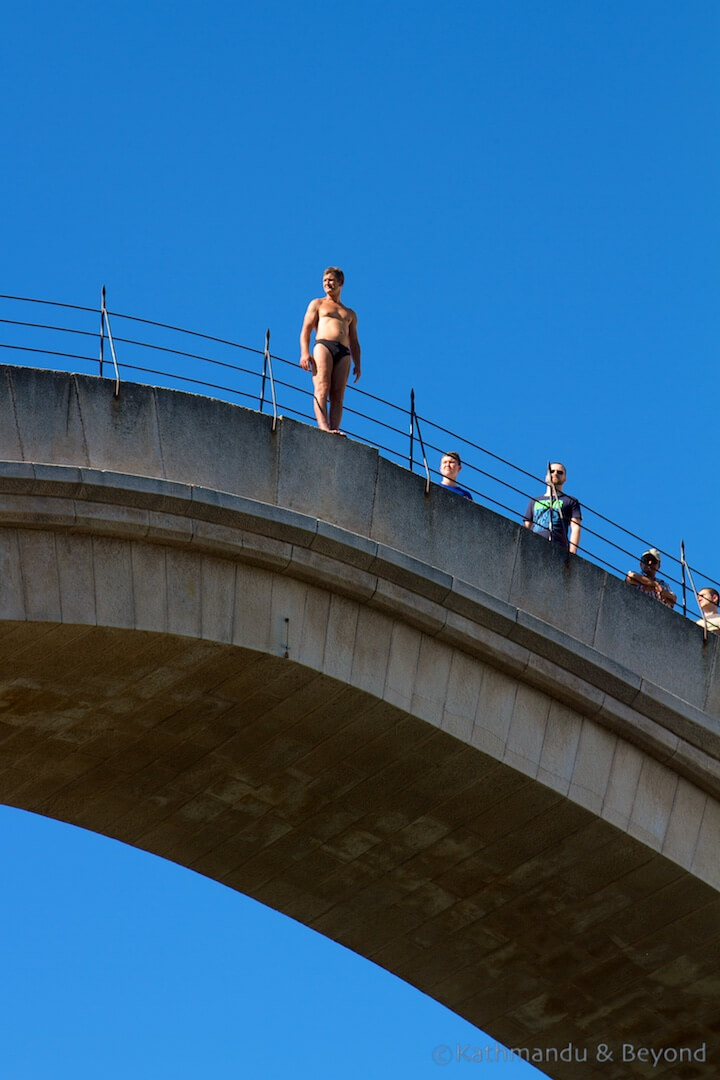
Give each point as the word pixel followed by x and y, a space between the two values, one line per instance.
pixel 709 600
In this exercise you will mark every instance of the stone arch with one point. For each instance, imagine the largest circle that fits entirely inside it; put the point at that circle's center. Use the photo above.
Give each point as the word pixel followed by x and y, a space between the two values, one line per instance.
pixel 427 768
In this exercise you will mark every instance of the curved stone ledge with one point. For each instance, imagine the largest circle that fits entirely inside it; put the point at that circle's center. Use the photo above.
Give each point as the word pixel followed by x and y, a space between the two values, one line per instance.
pixel 401 719
pixel 274 538
pixel 199 443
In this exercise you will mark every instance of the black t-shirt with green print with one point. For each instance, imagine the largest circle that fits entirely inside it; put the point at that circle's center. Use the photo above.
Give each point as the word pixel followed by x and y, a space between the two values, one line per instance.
pixel 548 514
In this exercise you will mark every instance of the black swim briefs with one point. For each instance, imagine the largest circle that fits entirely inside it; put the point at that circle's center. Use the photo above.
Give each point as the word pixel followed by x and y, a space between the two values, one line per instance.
pixel 336 349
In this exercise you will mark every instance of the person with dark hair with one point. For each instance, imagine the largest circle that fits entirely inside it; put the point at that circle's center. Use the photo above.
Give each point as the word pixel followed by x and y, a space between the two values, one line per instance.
pixel 336 347
pixel 450 466
pixel 554 515
pixel 709 601
pixel 648 582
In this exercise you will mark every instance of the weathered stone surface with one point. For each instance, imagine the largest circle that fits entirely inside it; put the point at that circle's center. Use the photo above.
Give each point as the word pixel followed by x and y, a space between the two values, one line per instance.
pixel 397 717
pixel 331 478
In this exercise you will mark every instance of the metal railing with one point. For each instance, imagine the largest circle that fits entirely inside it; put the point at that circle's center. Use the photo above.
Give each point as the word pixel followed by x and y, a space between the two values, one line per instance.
pixel 179 358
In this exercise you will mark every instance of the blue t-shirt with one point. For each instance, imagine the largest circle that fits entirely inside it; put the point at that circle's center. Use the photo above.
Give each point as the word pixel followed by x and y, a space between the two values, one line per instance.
pixel 457 490
pixel 547 513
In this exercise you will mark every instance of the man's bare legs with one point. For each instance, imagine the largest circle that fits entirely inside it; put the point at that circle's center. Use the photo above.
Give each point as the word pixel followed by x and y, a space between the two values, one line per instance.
pixel 329 382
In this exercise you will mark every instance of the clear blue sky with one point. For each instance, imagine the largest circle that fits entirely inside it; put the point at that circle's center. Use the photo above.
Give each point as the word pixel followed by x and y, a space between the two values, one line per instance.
pixel 523 197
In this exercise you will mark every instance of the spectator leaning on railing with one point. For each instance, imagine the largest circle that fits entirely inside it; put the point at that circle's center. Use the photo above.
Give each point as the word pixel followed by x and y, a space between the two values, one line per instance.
pixel 647 581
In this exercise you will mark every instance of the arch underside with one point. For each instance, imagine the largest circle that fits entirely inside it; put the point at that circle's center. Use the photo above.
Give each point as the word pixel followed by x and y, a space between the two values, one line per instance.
pixel 498 896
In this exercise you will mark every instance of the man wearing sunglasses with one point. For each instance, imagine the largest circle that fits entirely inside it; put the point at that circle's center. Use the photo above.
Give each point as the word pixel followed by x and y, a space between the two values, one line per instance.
pixel 553 515
pixel 648 582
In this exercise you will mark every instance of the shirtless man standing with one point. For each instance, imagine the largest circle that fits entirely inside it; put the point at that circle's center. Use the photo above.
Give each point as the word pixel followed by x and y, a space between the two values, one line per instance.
pixel 336 344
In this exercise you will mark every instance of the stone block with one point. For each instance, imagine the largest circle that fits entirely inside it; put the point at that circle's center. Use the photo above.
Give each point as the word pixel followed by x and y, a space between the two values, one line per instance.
pixel 121 433
pixel 183 593
pixel 217 598
pixel 62 481
pixel 480 606
pixel 18 477
pixel 313 643
pixel 638 631
pixel 10 442
pixel 465 539
pixel 113 576
pixel 40 575
pixel 340 639
pixel 326 477
pixel 584 662
pixel 494 712
pixel 332 574
pixel 12 599
pixel 415 609
pixel 287 613
pixel 624 778
pixel 265 551
pixel 684 823
pixel 211 538
pixel 49 418
pixel 679 717
pixel 711 655
pixel 76 578
pixel 217 445
pixel 526 732
pixel 99 517
pixel 559 749
pixel 559 588
pixel 564 685
pixel 35 510
pixel 706 864
pixel 253 597
pixel 653 803
pixel 275 522
pixel 593 764
pixel 462 695
pixel 169 528
pixel 149 587
pixel 698 767
pixel 401 512
pixel 431 679
pixel 130 489
pixel 412 574
pixel 372 650
pixel 342 544
pixel 402 665
pixel 481 642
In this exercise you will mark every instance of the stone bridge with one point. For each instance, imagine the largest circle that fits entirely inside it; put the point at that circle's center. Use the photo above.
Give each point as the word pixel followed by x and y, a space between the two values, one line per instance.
pixel 400 719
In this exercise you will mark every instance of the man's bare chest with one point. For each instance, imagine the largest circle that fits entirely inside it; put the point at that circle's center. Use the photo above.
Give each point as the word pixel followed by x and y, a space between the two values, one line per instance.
pixel 329 310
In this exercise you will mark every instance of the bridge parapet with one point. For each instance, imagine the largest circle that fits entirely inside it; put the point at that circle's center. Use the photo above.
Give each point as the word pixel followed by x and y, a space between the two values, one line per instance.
pixel 201 442
pixel 401 719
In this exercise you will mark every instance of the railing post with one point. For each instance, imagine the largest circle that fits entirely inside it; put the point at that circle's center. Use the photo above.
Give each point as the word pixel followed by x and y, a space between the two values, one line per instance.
pixel 415 423
pixel 104 318
pixel 102 328
pixel 412 428
pixel 268 371
pixel 265 367
pixel 683 562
